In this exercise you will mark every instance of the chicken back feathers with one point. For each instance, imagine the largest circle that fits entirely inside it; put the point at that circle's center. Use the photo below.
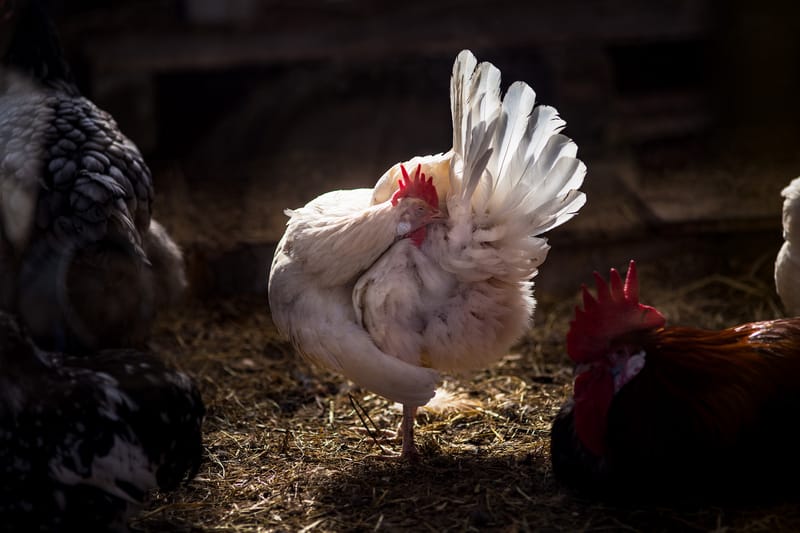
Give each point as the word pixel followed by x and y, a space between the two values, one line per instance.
pixel 457 298
pixel 84 439
pixel 677 411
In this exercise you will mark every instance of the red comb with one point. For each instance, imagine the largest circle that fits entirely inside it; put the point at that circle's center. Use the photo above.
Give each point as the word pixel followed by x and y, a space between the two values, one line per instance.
pixel 419 187
pixel 614 312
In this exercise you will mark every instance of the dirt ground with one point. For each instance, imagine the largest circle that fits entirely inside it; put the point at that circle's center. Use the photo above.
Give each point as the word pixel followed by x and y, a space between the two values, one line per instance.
pixel 294 448
pixel 255 116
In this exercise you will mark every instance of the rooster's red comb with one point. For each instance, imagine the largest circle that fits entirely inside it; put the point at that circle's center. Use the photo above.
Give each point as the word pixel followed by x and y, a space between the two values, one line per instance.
pixel 419 187
pixel 616 311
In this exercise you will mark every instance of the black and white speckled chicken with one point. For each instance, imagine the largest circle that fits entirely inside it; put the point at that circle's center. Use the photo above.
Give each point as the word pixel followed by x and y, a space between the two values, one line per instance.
pixel 84 439
pixel 81 260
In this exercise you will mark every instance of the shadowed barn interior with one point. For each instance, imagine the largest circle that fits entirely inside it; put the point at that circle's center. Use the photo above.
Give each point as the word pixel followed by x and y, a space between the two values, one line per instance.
pixel 685 113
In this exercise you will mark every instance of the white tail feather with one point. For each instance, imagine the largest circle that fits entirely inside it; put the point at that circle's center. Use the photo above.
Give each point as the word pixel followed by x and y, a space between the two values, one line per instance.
pixel 459 91
pixel 513 175
pixel 517 108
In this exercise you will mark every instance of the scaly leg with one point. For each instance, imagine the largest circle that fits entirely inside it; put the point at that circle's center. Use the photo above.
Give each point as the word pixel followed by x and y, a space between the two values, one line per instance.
pixel 409 452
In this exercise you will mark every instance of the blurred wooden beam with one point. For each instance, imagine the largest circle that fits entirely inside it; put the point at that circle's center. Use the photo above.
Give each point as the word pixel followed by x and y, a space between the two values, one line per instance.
pixel 325 31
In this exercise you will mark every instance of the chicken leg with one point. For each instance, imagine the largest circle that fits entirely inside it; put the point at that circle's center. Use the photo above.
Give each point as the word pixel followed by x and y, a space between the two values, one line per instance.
pixel 409 452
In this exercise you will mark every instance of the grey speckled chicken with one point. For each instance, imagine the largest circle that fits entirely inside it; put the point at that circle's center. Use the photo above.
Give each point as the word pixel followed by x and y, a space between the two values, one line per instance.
pixel 111 428
pixel 81 259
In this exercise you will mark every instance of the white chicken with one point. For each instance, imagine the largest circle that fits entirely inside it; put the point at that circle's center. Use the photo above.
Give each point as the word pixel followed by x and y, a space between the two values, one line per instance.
pixel 370 284
pixel 787 264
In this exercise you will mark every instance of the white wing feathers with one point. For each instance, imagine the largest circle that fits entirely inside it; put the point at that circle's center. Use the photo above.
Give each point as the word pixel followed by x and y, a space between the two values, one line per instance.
pixel 513 177
pixel 322 325
pixel 364 363
pixel 328 244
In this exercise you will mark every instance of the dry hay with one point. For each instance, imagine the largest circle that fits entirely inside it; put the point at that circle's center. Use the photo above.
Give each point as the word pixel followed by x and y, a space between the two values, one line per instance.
pixel 286 449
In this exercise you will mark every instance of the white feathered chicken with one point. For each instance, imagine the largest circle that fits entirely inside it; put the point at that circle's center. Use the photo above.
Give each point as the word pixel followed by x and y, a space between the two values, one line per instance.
pixel 371 284
pixel 81 259
pixel 787 265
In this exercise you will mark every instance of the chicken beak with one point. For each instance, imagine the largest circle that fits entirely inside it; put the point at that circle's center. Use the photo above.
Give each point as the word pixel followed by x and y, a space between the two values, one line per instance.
pixel 437 215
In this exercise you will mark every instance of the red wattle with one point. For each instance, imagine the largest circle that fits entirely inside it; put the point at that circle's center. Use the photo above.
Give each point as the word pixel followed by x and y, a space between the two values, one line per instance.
pixel 417 236
pixel 594 390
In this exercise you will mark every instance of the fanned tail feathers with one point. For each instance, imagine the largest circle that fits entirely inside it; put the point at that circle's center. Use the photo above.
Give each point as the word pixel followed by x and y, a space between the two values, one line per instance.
pixel 474 101
pixel 459 96
pixel 514 176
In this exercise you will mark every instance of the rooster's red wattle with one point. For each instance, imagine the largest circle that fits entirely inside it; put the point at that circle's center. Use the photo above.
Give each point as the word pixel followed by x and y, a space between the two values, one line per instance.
pixel 677 412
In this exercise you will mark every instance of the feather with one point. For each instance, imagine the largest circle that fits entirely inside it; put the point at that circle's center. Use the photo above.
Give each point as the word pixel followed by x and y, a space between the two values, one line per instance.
pixel 665 412
pixel 787 263
pixel 391 314
pixel 342 345
pixel 110 429
pixel 24 116
pixel 459 86
pixel 311 297
pixel 71 186
pixel 517 107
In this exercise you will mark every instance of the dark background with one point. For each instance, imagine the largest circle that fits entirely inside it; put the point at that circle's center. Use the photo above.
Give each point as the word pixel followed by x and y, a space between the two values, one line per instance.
pixel 686 112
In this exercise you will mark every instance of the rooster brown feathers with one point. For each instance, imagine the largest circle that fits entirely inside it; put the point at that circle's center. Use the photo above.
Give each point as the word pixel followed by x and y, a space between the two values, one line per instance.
pixel 676 412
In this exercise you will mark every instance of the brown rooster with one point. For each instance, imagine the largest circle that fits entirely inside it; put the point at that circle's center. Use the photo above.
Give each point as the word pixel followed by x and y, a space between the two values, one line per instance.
pixel 676 412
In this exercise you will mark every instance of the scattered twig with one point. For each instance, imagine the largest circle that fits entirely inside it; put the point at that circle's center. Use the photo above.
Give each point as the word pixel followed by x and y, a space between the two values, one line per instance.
pixel 359 410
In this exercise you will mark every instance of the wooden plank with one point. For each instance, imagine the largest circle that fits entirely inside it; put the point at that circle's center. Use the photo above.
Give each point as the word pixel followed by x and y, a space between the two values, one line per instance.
pixel 662 114
pixel 288 34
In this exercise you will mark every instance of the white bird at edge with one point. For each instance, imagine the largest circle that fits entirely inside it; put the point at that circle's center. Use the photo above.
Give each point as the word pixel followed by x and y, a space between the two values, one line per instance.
pixel 787 264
